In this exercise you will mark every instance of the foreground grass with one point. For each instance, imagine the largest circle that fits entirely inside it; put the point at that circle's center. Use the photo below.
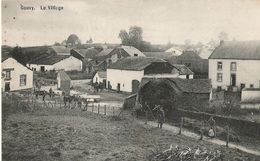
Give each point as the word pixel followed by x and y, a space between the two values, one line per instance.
pixel 52 134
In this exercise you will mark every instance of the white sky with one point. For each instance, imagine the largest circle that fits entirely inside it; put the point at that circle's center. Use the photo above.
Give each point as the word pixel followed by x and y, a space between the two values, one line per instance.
pixel 161 20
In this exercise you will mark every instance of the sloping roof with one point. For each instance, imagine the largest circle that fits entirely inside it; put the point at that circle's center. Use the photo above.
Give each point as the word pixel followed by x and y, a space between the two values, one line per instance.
pixel 63 75
pixel 183 69
pixel 49 60
pixel 205 53
pixel 134 63
pixel 132 50
pixel 173 48
pixel 5 55
pixel 61 49
pixel 184 85
pixel 245 50
pixel 104 52
pixel 87 53
pixel 160 55
pixel 102 74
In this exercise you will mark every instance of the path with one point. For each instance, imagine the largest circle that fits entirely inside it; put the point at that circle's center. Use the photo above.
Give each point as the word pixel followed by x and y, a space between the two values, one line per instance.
pixel 188 133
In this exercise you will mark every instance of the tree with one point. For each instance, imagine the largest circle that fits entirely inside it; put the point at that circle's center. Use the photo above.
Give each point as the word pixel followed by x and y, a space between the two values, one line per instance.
pixel 57 44
pixel 73 40
pixel 223 36
pixel 134 38
pixel 90 41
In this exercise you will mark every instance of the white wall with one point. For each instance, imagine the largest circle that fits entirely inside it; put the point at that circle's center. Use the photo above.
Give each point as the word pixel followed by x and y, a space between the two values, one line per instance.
pixel 184 76
pixel 250 94
pixel 38 67
pixel 69 64
pixel 248 72
pixel 19 69
pixel 98 79
pixel 124 77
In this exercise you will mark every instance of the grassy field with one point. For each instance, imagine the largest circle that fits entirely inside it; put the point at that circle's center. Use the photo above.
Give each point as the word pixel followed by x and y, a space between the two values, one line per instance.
pixel 58 134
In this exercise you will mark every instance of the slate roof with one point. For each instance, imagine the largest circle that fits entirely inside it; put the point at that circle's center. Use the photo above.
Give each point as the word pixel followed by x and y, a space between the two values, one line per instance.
pixel 61 49
pixel 243 50
pixel 63 75
pixel 189 55
pixel 160 55
pixel 132 50
pixel 183 69
pixel 205 53
pixel 87 53
pixel 102 74
pixel 5 55
pixel 134 63
pixel 184 85
pixel 49 60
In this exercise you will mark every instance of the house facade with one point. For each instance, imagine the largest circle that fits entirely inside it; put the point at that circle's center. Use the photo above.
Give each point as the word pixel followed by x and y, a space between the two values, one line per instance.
pixel 235 65
pixel 100 77
pixel 15 76
pixel 127 73
pixel 56 62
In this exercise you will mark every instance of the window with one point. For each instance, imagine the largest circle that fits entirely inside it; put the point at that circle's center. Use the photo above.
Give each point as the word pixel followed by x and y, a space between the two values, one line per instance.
pixel 219 88
pixel 233 66
pixel 219 66
pixel 219 77
pixel 251 86
pixel 135 54
pixel 8 74
pixel 23 80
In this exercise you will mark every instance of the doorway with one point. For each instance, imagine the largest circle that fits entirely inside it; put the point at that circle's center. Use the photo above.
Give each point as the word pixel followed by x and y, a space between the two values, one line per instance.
pixel 233 80
pixel 7 86
pixel 42 69
pixel 118 87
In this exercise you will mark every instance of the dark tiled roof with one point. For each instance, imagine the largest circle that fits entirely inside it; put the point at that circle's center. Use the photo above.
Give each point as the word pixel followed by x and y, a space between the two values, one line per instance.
pixel 183 69
pixel 245 50
pixel 63 75
pixel 49 60
pixel 160 55
pixel 184 85
pixel 61 49
pixel 189 55
pixel 87 53
pixel 134 63
pixel 5 55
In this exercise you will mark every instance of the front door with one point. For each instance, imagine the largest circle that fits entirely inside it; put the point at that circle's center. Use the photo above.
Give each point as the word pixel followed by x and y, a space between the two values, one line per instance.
pixel 118 87
pixel 233 80
pixel 7 86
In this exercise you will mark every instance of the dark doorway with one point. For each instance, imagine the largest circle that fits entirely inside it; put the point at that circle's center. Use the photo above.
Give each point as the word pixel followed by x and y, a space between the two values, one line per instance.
pixel 118 87
pixel 7 86
pixel 42 69
pixel 242 85
pixel 135 86
pixel 233 79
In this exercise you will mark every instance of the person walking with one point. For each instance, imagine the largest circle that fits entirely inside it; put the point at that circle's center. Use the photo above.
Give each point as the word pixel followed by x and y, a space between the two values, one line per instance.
pixel 161 116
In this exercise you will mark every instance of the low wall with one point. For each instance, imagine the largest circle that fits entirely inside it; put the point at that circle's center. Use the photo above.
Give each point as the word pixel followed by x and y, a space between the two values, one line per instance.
pixel 240 126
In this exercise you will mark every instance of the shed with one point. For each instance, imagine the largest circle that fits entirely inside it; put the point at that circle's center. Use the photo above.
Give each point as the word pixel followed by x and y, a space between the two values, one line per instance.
pixel 64 82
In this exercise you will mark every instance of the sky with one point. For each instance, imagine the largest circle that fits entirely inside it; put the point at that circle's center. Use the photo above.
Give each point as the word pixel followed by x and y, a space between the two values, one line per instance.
pixel 161 20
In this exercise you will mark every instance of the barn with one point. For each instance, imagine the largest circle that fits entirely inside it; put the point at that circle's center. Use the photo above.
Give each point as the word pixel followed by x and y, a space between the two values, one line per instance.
pixel 63 82
pixel 174 93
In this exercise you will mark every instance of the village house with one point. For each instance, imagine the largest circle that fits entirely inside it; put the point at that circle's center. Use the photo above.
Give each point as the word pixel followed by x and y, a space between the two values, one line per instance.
pixel 175 50
pixel 235 65
pixel 100 77
pixel 15 76
pixel 127 73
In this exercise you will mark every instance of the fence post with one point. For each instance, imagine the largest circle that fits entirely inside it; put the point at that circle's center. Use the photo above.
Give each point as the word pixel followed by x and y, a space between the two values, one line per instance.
pixel 105 109
pixel 98 108
pixel 181 125
pixel 227 141
pixel 113 110
pixel 201 131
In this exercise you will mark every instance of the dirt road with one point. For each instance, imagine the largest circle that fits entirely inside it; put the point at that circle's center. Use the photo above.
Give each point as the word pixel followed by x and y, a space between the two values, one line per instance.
pixel 58 134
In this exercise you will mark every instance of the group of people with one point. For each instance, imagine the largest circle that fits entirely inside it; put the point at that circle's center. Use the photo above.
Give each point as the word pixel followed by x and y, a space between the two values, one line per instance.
pixel 75 101
pixel 160 117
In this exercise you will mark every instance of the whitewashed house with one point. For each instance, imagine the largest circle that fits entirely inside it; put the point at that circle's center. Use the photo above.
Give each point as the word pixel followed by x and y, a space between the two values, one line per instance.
pixel 175 50
pixel 235 65
pixel 55 62
pixel 127 73
pixel 15 76
pixel 100 77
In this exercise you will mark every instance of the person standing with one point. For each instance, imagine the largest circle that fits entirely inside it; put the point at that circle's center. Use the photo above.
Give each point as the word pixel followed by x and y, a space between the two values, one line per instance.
pixel 161 117
pixel 212 124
